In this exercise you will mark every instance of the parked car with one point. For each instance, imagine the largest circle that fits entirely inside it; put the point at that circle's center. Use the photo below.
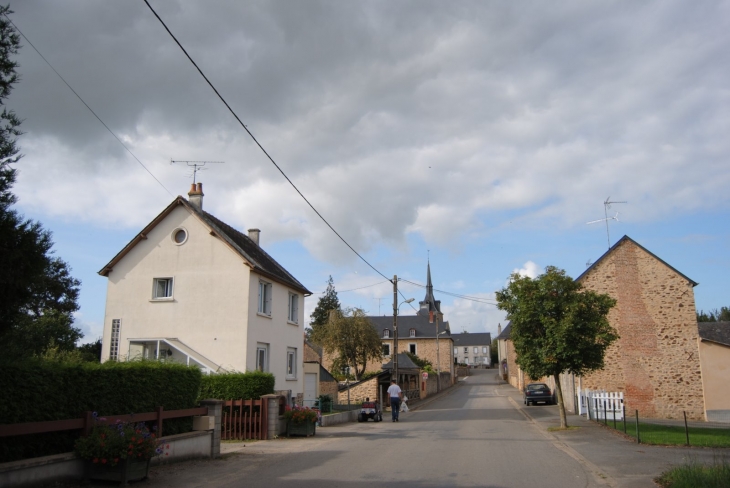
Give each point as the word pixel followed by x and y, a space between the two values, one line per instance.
pixel 370 410
pixel 537 392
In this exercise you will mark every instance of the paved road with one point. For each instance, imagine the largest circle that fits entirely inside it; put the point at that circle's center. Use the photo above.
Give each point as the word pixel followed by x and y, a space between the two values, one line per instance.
pixel 478 434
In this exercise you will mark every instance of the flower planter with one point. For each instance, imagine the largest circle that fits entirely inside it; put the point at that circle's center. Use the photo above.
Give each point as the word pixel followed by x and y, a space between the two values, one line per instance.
pixel 304 428
pixel 124 471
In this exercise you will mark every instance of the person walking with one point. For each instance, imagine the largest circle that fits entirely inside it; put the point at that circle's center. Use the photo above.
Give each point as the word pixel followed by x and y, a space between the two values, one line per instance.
pixel 395 394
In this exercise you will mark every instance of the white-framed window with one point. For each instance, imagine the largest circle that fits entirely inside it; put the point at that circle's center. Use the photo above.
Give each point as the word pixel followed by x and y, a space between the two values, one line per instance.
pixel 466 350
pixel 291 363
pixel 476 350
pixel 386 349
pixel 264 298
pixel 293 308
pixel 412 349
pixel 413 332
pixel 386 333
pixel 484 349
pixel 114 339
pixel 456 351
pixel 162 288
pixel 262 357
pixel 466 360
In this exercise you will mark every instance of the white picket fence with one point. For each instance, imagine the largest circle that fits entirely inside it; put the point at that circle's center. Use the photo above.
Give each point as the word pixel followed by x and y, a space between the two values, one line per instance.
pixel 601 404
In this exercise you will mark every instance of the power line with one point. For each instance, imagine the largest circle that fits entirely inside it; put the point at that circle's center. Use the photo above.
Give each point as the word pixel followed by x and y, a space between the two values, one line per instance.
pixel 463 297
pixel 354 289
pixel 259 144
pixel 87 105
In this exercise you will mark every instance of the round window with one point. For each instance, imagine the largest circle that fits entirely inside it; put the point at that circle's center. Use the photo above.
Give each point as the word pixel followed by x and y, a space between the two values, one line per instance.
pixel 179 236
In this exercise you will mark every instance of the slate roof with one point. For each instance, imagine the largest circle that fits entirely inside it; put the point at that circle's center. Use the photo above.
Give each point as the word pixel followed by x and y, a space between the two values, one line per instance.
pixel 718 332
pixel 472 339
pixel 404 362
pixel 259 259
pixel 505 334
pixel 625 239
pixel 424 329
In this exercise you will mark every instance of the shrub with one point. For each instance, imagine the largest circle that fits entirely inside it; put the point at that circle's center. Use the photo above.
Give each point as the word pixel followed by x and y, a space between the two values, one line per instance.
pixel 37 390
pixel 234 386
pixel 300 415
pixel 109 444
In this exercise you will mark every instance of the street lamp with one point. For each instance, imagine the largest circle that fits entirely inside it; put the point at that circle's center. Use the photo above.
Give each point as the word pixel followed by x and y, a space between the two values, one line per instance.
pixel 395 340
pixel 438 359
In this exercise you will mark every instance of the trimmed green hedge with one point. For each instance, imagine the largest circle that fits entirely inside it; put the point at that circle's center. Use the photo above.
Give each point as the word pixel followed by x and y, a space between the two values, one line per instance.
pixel 38 391
pixel 234 386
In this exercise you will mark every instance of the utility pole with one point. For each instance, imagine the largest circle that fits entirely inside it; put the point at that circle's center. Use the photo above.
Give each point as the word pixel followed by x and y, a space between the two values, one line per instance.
pixel 438 359
pixel 395 327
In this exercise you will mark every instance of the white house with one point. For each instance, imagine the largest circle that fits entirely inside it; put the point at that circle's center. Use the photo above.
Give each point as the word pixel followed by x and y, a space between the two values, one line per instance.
pixel 190 288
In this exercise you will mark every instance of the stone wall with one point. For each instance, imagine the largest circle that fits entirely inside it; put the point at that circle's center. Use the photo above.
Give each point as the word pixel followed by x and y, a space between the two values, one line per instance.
pixel 656 360
pixel 311 354
pixel 361 391
pixel 329 388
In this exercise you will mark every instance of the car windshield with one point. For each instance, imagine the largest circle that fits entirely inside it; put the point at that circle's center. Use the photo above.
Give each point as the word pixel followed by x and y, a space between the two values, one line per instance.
pixel 539 386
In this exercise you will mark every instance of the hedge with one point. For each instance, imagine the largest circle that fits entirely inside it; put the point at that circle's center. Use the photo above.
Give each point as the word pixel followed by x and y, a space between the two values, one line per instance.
pixel 234 386
pixel 37 391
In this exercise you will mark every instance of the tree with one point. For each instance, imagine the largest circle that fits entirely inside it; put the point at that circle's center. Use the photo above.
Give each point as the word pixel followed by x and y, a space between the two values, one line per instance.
pixel 325 305
pixel 722 315
pixel 38 293
pixel 350 337
pixel 557 326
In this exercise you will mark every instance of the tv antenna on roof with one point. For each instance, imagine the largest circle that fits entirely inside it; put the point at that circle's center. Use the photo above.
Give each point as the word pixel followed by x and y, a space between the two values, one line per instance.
pixel 196 165
pixel 606 205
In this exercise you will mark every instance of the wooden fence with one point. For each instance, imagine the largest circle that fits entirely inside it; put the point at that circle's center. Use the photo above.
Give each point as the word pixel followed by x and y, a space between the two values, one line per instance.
pixel 88 421
pixel 244 419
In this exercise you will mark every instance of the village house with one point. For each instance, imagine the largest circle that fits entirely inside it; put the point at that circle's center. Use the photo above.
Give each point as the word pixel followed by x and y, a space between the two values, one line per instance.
pixel 473 349
pixel 190 288
pixel 714 346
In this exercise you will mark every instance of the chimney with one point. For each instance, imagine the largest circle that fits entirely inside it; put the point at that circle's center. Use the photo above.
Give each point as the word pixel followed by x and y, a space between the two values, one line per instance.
pixel 195 196
pixel 253 234
pixel 499 329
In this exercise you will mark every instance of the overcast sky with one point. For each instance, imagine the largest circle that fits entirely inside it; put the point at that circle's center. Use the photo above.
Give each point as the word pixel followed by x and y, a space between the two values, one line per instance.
pixel 483 134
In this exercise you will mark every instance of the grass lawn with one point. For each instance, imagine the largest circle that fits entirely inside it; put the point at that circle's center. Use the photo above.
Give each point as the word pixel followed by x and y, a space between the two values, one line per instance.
pixel 675 435
pixel 696 475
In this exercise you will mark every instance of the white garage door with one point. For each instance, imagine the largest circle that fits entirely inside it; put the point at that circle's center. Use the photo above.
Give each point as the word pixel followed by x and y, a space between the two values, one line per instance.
pixel 310 389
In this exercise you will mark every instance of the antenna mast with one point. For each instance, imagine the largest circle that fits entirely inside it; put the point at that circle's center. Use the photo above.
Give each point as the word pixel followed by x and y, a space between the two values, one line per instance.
pixel 606 205
pixel 196 165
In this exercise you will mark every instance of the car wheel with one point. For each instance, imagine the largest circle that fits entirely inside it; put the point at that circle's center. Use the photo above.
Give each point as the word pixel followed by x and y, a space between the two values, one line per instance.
pixel 359 418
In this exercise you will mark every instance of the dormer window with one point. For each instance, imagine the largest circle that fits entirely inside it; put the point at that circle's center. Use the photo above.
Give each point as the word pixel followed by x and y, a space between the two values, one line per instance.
pixel 386 334
pixel 413 332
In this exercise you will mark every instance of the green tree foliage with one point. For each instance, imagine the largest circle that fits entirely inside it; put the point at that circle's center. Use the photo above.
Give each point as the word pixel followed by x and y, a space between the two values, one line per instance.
pixel 325 305
pixel 424 364
pixel 722 315
pixel 38 293
pixel 350 337
pixel 557 326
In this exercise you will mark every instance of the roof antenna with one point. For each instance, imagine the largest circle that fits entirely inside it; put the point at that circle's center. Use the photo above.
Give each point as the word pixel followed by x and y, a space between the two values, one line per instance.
pixel 606 206
pixel 196 165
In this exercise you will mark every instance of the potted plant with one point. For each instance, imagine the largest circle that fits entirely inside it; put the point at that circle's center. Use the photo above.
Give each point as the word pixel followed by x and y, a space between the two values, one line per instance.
pixel 118 452
pixel 300 420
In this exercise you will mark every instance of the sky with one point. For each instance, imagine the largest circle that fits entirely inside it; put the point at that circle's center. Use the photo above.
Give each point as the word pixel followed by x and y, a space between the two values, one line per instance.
pixel 479 136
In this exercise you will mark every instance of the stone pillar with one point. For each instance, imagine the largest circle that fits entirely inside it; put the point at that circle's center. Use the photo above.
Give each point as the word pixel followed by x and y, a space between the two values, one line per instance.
pixel 215 410
pixel 272 405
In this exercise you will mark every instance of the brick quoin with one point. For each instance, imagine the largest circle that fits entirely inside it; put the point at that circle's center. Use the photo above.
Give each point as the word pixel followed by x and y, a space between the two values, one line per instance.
pixel 655 362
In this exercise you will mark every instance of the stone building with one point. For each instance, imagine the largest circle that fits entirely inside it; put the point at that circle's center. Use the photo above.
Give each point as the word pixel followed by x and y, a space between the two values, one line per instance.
pixel 655 362
pixel 473 349
pixel 714 344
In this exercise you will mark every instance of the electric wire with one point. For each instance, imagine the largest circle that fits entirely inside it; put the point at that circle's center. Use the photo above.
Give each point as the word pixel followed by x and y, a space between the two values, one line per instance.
pixel 259 144
pixel 463 297
pixel 354 289
pixel 87 105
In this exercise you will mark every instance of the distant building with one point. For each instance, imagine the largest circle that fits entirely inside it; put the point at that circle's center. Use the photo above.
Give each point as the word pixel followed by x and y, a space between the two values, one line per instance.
pixel 472 348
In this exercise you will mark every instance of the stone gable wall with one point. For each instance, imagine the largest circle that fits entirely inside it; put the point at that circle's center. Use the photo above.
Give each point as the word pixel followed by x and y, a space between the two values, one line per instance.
pixel 656 360
pixel 311 355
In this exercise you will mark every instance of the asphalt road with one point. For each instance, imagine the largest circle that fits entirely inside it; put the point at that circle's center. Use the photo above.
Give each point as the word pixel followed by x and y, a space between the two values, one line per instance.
pixel 473 436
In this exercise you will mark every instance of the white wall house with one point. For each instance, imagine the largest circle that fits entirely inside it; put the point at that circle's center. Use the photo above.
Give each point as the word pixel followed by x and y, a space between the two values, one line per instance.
pixel 191 289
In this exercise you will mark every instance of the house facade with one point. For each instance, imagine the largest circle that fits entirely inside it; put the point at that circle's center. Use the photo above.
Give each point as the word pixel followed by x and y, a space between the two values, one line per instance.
pixel 714 347
pixel 473 349
pixel 189 288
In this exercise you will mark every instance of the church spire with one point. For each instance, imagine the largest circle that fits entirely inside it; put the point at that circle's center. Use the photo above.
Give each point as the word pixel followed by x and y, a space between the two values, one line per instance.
pixel 429 303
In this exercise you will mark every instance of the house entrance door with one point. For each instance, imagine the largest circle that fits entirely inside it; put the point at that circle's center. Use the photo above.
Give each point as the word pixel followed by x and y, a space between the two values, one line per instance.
pixel 310 389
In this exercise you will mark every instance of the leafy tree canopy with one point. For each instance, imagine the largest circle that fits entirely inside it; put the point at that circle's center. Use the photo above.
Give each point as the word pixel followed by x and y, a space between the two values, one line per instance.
pixel 351 338
pixel 557 326
pixel 722 315
pixel 38 294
